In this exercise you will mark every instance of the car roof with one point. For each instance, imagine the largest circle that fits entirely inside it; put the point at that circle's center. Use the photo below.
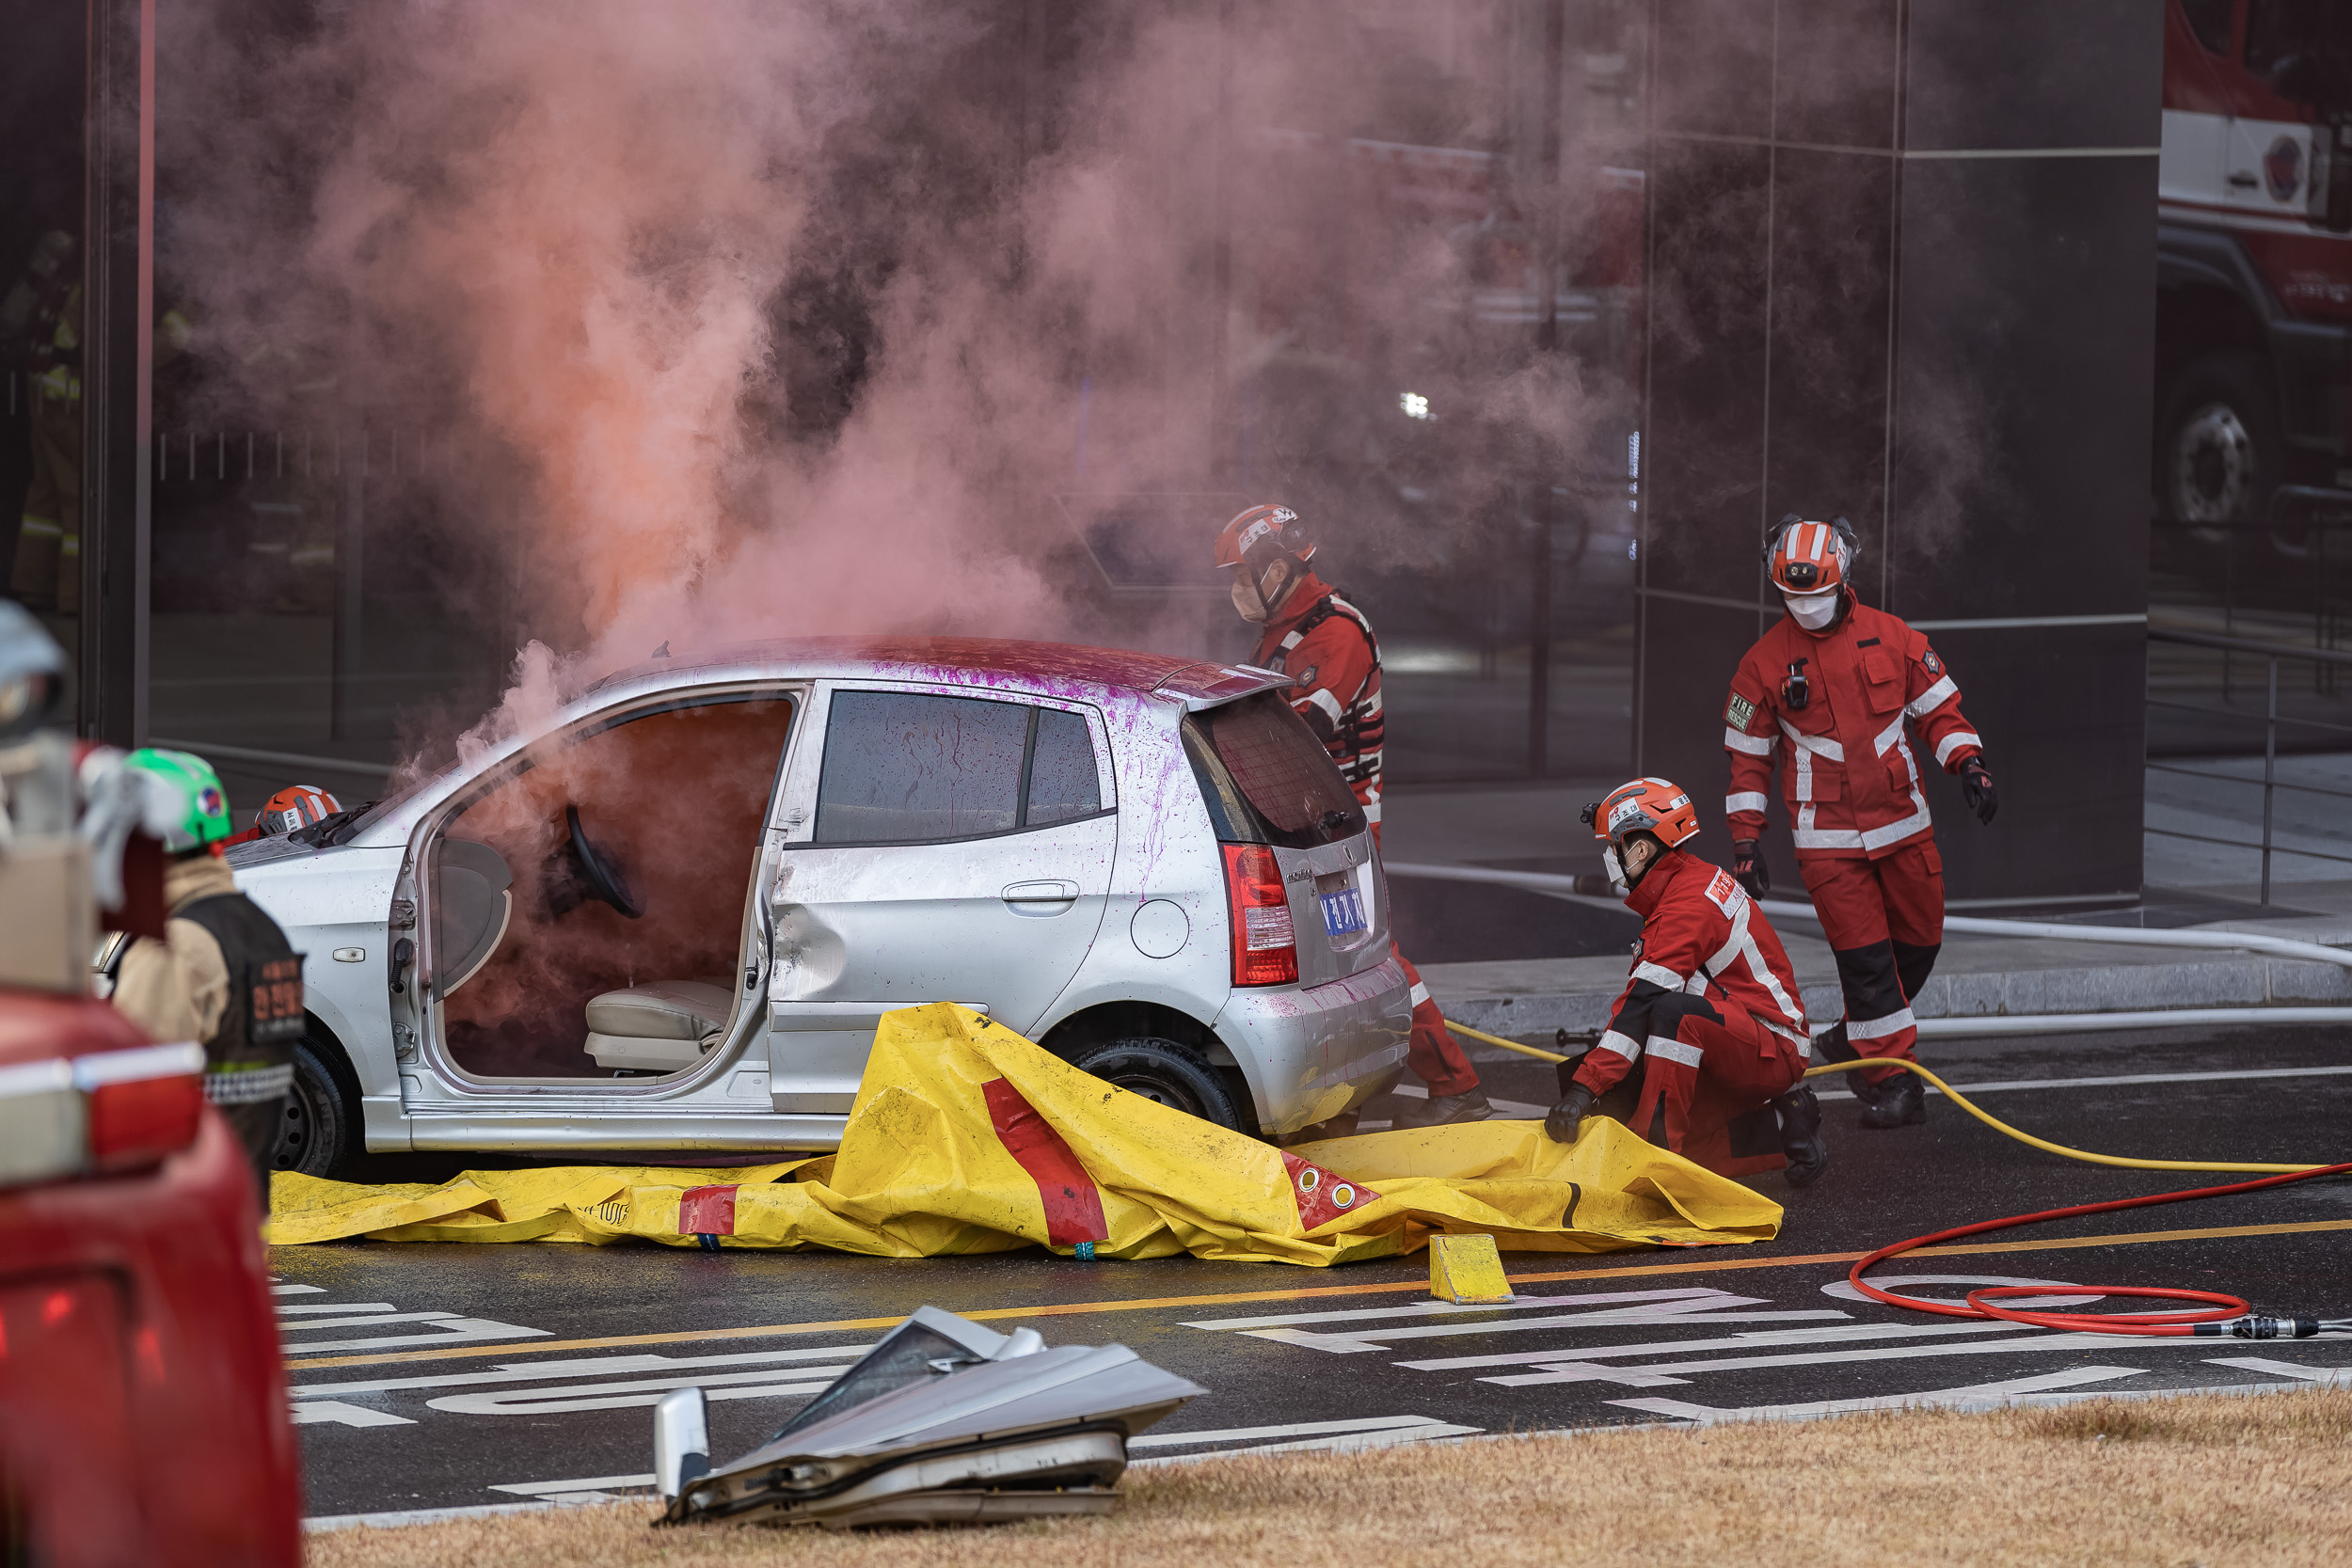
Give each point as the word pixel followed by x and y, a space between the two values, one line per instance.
pixel 1046 667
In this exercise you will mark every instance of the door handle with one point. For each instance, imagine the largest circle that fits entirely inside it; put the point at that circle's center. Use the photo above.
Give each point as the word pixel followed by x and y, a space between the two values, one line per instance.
pixel 2244 180
pixel 1041 893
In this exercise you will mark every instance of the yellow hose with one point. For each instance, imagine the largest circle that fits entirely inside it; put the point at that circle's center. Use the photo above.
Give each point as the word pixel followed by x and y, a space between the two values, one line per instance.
pixel 1954 1096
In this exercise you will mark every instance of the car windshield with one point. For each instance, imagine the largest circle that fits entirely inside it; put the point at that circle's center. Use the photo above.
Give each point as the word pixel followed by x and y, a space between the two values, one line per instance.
pixel 1258 759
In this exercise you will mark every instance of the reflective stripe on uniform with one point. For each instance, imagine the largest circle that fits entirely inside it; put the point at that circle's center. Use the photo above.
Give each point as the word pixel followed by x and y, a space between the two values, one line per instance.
pixel 1321 697
pixel 1895 832
pixel 1619 1045
pixel 1745 800
pixel 1674 1051
pixel 1887 738
pixel 1372 811
pixel 1878 1028
pixel 1820 745
pixel 1950 743
pixel 1932 698
pixel 1755 745
pixel 1741 945
pixel 1657 974
pixel 1807 836
pixel 244 1088
pixel 1419 993
pixel 1293 639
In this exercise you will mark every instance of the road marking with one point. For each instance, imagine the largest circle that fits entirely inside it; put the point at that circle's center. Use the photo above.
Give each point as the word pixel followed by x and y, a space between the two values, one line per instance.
pixel 1980 1396
pixel 309 1412
pixel 630 1395
pixel 2006 1084
pixel 368 1307
pixel 1837 1334
pixel 297 1290
pixel 2327 1377
pixel 1448 1308
pixel 1296 1428
pixel 542 1371
pixel 446 1329
pixel 1228 1298
pixel 369 1318
pixel 1574 1367
pixel 1390 1437
pixel 557 1488
pixel 1376 1339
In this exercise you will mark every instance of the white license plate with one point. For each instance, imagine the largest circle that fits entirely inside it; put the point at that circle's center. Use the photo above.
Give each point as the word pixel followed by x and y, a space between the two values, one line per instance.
pixel 1343 912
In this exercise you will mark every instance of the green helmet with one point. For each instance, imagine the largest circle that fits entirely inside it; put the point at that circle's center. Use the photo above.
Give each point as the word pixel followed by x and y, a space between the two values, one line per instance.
pixel 206 819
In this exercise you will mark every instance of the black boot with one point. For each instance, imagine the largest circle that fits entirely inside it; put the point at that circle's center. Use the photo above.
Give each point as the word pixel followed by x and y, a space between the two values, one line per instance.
pixel 1800 1140
pixel 1831 1045
pixel 1899 1101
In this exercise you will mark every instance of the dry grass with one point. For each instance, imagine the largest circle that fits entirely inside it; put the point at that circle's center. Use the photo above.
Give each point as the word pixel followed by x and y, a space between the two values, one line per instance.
pixel 2209 1481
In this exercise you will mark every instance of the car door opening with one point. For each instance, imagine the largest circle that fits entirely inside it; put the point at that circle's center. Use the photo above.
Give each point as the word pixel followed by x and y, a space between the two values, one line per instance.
pixel 587 910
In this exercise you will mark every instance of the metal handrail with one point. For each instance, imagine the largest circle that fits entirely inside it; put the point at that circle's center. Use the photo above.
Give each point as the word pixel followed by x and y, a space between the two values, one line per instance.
pixel 2271 652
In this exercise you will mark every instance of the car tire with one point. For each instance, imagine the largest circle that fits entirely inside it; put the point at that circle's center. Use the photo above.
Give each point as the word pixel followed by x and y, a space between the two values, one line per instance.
pixel 2218 449
pixel 1164 1072
pixel 320 1133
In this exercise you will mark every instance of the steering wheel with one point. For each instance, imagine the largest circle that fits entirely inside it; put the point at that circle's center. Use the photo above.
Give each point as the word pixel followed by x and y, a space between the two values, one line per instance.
pixel 603 874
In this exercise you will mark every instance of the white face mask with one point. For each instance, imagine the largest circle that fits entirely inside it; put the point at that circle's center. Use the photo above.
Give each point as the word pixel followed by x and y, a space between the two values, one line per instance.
pixel 1246 601
pixel 1813 610
pixel 1615 867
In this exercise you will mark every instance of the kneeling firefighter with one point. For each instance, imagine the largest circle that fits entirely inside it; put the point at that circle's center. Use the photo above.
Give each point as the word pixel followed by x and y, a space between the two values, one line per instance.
pixel 1713 1006
pixel 224 976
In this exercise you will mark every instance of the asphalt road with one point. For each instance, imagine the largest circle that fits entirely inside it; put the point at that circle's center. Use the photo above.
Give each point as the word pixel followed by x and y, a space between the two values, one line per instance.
pixel 430 1376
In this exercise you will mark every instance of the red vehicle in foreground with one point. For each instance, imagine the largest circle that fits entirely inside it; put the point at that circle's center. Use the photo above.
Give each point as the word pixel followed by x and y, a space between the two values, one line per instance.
pixel 143 1413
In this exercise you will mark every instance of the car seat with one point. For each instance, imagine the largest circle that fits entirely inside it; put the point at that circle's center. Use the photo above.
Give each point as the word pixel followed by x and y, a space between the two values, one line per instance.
pixel 667 1027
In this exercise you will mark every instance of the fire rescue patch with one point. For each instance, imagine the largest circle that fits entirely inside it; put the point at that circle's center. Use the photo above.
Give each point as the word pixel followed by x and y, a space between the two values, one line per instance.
pixel 1742 710
pixel 1934 666
pixel 1723 893
pixel 1306 676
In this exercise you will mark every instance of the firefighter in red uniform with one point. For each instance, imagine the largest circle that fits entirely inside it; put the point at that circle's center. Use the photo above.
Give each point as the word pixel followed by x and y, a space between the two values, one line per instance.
pixel 1840 683
pixel 1712 1007
pixel 1327 647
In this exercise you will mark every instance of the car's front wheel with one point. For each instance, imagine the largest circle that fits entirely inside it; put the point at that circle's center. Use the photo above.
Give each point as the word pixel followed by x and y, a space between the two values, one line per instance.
pixel 320 1130
pixel 1164 1072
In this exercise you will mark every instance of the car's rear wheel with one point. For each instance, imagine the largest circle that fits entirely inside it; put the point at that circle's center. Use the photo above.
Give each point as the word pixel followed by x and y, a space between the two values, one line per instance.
pixel 320 1130
pixel 1164 1072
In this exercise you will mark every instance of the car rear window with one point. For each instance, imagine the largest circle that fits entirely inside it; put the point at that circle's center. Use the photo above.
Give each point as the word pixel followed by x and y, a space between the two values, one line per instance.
pixel 1267 779
pixel 907 767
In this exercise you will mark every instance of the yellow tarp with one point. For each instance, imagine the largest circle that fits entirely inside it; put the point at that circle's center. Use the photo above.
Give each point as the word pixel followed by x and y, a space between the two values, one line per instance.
pixel 967 1139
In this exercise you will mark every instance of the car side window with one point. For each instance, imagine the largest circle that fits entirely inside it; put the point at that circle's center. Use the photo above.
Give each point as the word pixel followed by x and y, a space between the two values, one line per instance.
pixel 1063 783
pixel 905 768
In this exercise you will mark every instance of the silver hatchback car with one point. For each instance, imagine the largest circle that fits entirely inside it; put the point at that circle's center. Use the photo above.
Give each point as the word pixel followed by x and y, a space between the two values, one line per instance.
pixel 670 918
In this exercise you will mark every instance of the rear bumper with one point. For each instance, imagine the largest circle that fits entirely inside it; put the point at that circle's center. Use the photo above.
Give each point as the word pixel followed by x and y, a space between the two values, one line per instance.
pixel 1311 1053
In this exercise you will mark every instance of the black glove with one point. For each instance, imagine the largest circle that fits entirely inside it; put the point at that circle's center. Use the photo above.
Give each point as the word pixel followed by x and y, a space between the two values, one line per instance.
pixel 1561 1126
pixel 1748 865
pixel 1976 786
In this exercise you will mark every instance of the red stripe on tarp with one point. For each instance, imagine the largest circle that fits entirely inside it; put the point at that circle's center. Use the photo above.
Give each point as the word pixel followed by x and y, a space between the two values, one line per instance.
pixel 1073 1207
pixel 706 1211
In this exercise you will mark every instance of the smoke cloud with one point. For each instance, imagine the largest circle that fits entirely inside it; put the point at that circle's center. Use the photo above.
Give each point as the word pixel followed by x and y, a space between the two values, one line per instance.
pixel 746 319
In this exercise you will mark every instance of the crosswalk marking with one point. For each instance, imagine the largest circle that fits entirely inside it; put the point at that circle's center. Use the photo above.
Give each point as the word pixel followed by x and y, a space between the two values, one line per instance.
pixel 1976 1396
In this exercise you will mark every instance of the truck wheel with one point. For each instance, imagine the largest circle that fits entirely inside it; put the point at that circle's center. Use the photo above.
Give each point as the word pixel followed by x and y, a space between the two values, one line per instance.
pixel 1164 1072
pixel 2218 443
pixel 320 1134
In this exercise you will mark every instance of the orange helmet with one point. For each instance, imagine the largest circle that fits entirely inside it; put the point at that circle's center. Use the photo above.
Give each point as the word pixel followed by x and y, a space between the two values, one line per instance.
pixel 1646 805
pixel 296 806
pixel 1809 557
pixel 1263 532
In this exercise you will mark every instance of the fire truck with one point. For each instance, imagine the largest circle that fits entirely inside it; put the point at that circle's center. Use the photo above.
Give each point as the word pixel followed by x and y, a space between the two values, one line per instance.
pixel 2254 267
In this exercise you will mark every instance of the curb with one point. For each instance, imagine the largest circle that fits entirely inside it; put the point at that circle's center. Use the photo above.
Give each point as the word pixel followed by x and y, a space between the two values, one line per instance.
pixel 1538 1010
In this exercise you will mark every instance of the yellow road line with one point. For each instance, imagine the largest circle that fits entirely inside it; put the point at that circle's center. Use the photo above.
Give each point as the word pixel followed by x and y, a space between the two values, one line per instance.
pixel 1231 1298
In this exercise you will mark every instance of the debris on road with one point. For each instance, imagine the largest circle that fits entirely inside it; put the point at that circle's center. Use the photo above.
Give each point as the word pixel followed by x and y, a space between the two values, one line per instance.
pixel 943 1421
pixel 967 1139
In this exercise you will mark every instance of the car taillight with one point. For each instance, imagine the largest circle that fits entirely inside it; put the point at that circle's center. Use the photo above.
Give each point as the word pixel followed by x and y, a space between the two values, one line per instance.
pixel 143 1105
pixel 1266 947
pixel 109 1111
